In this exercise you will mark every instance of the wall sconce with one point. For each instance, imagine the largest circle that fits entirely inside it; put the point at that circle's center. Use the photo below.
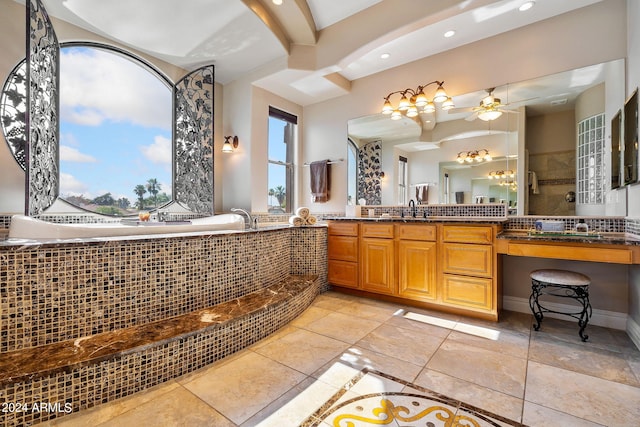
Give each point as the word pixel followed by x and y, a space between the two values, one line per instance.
pixel 502 174
pixel 229 146
pixel 417 100
pixel 475 155
pixel 381 175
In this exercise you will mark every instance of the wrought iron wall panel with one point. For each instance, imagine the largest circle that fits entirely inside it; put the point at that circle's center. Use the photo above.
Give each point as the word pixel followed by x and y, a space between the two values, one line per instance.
pixel 369 168
pixel 193 134
pixel 43 128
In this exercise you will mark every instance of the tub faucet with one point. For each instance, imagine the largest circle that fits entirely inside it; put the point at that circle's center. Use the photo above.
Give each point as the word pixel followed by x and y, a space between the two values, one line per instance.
pixel 412 205
pixel 251 223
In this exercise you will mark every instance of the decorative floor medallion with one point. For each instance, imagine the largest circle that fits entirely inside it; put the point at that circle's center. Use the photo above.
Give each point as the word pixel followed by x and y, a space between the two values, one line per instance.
pixel 413 406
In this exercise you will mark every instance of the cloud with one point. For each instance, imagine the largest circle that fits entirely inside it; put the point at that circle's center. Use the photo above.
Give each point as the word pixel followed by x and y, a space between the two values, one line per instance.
pixel 69 185
pixel 70 154
pixel 159 152
pixel 98 86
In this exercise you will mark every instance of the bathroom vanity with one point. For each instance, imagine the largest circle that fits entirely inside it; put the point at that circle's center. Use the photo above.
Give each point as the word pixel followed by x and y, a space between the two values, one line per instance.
pixel 447 264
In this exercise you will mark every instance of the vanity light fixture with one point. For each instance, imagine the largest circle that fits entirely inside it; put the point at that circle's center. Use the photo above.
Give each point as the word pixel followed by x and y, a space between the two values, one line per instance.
pixel 414 101
pixel 502 174
pixel 230 146
pixel 474 156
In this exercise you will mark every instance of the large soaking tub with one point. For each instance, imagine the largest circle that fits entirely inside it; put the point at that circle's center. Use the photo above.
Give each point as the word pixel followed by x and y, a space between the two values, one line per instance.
pixel 25 227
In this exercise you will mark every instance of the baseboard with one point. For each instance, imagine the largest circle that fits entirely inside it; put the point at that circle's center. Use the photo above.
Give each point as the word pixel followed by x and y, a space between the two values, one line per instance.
pixel 607 319
pixel 633 330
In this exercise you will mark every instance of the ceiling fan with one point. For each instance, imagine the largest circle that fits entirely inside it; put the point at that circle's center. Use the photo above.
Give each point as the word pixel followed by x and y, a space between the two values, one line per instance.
pixel 490 108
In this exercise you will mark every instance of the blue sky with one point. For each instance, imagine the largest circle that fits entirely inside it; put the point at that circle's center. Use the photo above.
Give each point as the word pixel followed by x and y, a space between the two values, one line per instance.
pixel 115 125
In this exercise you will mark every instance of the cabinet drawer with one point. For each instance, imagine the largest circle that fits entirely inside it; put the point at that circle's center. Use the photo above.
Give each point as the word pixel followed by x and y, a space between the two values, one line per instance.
pixel 344 248
pixel 467 234
pixel 343 228
pixel 473 260
pixel 417 232
pixel 343 273
pixel 383 231
pixel 464 291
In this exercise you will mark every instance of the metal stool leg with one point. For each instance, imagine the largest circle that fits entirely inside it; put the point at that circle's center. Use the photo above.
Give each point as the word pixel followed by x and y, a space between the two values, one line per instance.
pixel 582 295
pixel 535 305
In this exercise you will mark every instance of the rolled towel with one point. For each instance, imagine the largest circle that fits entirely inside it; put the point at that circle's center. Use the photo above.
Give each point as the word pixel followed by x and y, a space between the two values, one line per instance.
pixel 311 220
pixel 303 212
pixel 296 221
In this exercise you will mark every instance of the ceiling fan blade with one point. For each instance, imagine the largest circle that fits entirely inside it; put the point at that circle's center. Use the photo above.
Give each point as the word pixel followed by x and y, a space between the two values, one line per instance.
pixel 471 117
pixel 460 110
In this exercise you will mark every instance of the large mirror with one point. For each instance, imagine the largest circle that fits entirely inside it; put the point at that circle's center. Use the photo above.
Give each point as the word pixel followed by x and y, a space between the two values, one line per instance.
pixel 535 166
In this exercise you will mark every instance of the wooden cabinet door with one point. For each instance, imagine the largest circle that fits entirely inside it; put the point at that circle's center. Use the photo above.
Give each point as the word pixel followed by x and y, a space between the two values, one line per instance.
pixel 376 265
pixel 473 260
pixel 469 292
pixel 343 273
pixel 417 270
pixel 344 248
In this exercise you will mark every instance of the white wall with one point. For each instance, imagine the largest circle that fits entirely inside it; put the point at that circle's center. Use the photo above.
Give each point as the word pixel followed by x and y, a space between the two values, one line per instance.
pixel 547 47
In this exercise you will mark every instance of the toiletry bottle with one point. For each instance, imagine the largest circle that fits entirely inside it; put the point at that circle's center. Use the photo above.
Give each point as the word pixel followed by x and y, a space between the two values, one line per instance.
pixel 582 227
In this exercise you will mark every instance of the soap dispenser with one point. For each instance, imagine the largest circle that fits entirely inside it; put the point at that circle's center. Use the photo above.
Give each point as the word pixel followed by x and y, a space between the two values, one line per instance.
pixel 582 227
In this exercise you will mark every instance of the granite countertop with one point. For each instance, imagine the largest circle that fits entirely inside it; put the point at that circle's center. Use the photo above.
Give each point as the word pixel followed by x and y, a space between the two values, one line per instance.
pixel 428 219
pixel 605 238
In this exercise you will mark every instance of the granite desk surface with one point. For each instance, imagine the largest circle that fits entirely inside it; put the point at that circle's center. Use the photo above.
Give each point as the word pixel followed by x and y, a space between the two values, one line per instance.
pixel 604 238
pixel 420 219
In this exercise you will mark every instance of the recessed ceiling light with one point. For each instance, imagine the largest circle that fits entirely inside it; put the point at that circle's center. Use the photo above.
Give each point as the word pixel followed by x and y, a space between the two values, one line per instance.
pixel 277 2
pixel 385 56
pixel 526 6
pixel 449 33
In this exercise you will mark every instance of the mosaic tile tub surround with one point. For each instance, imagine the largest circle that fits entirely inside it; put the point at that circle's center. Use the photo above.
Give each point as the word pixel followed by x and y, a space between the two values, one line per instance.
pixel 51 293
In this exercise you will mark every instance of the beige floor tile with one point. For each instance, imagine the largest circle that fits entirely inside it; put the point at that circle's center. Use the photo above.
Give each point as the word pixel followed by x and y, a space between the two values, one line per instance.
pixel 177 408
pixel 583 396
pixel 472 394
pixel 245 386
pixel 486 368
pixel 539 416
pixel 332 300
pixel 421 327
pixel 103 413
pixel 310 315
pixel 343 327
pixel 358 358
pixel 303 350
pixel 401 343
pixel 362 309
pixel 513 344
pixel 508 321
pixel 582 358
pixel 295 406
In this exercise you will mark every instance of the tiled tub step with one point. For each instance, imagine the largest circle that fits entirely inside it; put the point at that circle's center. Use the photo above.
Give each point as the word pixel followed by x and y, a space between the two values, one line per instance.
pixel 77 374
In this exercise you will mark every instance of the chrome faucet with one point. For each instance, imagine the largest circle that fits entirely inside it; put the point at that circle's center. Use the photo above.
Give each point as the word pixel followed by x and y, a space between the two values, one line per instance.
pixel 252 223
pixel 412 205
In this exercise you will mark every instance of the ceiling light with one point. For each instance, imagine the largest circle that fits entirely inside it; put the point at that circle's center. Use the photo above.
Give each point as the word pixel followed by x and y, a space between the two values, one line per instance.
pixel 450 33
pixel 413 102
pixel 489 114
pixel 277 2
pixel 475 155
pixel 383 56
pixel 526 6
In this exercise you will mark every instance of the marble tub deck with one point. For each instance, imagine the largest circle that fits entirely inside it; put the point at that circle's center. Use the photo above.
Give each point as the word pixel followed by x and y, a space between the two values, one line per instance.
pixel 544 378
pixel 31 363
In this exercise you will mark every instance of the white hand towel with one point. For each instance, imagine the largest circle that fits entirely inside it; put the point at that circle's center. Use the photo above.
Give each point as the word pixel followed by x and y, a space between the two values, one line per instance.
pixel 296 221
pixel 311 220
pixel 303 212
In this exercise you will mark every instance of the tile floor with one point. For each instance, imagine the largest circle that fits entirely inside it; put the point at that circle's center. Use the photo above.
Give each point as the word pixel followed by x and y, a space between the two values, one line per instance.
pixel 545 378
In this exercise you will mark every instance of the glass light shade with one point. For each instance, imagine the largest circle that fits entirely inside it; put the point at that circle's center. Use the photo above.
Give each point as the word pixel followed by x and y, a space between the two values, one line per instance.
pixel 429 108
pixel 487 157
pixel 489 115
pixel 441 95
pixel 460 159
pixel 404 104
pixel 468 159
pixel 226 147
pixel 387 108
pixel 396 115
pixel 421 100
pixel 448 104
pixel 412 111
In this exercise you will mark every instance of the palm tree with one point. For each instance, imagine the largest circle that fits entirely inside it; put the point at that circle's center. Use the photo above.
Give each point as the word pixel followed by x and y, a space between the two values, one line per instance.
pixel 154 188
pixel 280 192
pixel 140 190
pixel 272 192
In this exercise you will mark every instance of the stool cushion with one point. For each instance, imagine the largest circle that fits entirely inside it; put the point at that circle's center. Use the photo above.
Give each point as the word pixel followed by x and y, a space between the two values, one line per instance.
pixel 560 277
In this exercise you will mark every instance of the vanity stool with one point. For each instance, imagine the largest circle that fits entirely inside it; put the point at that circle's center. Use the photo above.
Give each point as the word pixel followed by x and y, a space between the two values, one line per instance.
pixel 565 284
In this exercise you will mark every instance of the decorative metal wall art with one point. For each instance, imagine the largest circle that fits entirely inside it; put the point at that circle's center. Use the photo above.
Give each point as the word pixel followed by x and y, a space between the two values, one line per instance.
pixel 42 124
pixel 193 163
pixel 369 168
pixel 13 112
